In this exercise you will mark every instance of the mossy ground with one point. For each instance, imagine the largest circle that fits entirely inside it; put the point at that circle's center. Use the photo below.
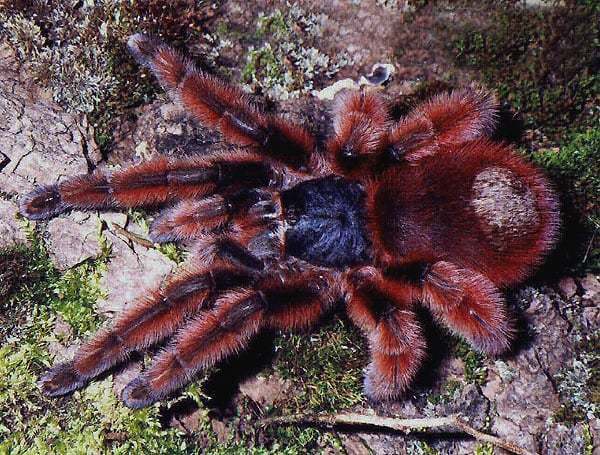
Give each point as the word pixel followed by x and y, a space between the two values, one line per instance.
pixel 92 421
pixel 76 49
pixel 325 367
pixel 574 167
pixel 542 61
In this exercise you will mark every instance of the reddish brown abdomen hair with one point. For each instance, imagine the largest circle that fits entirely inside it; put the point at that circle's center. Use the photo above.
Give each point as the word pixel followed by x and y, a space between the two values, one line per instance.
pixel 480 206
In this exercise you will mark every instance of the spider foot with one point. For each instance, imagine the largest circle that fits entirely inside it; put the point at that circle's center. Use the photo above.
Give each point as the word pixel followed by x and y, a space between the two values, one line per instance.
pixel 142 47
pixel 388 376
pixel 42 203
pixel 138 394
pixel 61 380
pixel 470 305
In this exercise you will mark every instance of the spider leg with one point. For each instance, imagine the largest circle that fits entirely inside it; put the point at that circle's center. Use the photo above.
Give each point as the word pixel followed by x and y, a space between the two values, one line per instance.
pixel 449 118
pixel 469 304
pixel 359 123
pixel 288 302
pixel 383 310
pixel 156 316
pixel 147 184
pixel 221 106
pixel 191 218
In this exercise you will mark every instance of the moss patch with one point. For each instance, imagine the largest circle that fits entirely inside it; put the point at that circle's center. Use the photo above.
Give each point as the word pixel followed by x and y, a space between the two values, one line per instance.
pixel 575 168
pixel 284 59
pixel 325 367
pixel 579 383
pixel 474 362
pixel 450 391
pixel 543 61
pixel 90 421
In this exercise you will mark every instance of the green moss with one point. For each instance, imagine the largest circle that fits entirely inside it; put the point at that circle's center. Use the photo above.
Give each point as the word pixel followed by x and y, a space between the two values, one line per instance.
pixel 575 168
pixel 284 440
pixel 576 164
pixel 325 367
pixel 474 362
pixel 484 449
pixel 415 447
pixel 89 421
pixel 292 440
pixel 262 64
pixel 171 250
pixel 588 440
pixel 40 289
pixel 579 383
pixel 450 391
pixel 541 60
pixel 273 25
pixel 284 59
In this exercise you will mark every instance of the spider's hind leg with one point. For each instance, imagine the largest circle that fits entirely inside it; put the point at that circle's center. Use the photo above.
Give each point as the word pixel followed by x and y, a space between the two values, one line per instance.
pixel 155 317
pixel 292 301
pixel 383 310
pixel 470 305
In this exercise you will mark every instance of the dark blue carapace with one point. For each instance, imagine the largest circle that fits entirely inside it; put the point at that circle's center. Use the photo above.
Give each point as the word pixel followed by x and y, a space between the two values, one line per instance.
pixel 326 222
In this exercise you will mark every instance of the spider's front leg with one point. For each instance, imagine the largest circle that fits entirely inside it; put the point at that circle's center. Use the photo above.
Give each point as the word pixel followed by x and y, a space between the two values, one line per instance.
pixel 224 107
pixel 366 142
pixel 448 119
pixel 157 316
pixel 152 183
pixel 280 302
pixel 191 218
pixel 383 310
pixel 360 124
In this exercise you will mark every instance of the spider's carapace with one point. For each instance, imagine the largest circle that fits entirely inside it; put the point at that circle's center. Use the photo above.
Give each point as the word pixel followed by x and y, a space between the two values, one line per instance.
pixel 385 215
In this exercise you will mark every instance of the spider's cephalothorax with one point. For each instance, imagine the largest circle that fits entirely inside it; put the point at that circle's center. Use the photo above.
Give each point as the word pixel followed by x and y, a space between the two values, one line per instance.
pixel 387 215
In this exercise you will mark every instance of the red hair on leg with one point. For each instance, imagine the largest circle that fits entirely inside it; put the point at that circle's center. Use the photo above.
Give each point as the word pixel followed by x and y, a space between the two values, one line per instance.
pixel 382 309
pixel 447 119
pixel 359 123
pixel 147 321
pixel 221 106
pixel 192 218
pixel 150 183
pixel 213 336
pixel 299 301
pixel 470 305
pixel 189 219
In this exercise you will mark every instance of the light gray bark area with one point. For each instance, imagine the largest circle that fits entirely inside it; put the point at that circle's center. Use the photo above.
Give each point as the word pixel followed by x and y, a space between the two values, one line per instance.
pixel 40 143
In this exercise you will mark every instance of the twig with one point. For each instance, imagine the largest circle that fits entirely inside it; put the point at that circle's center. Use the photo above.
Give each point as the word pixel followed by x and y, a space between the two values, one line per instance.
pixel 133 237
pixel 589 247
pixel 390 423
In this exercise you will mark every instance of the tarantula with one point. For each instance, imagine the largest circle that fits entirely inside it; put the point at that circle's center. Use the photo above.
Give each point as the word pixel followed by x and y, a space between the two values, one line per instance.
pixel 383 214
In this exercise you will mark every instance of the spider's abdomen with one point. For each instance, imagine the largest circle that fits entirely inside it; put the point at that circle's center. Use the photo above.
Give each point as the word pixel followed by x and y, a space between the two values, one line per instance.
pixel 480 206
pixel 325 221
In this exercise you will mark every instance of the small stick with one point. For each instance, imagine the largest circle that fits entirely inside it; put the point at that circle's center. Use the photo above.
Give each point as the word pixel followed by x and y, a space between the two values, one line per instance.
pixel 133 237
pixel 403 425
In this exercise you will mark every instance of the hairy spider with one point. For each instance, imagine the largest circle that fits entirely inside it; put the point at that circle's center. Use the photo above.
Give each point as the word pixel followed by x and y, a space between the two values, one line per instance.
pixel 384 214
